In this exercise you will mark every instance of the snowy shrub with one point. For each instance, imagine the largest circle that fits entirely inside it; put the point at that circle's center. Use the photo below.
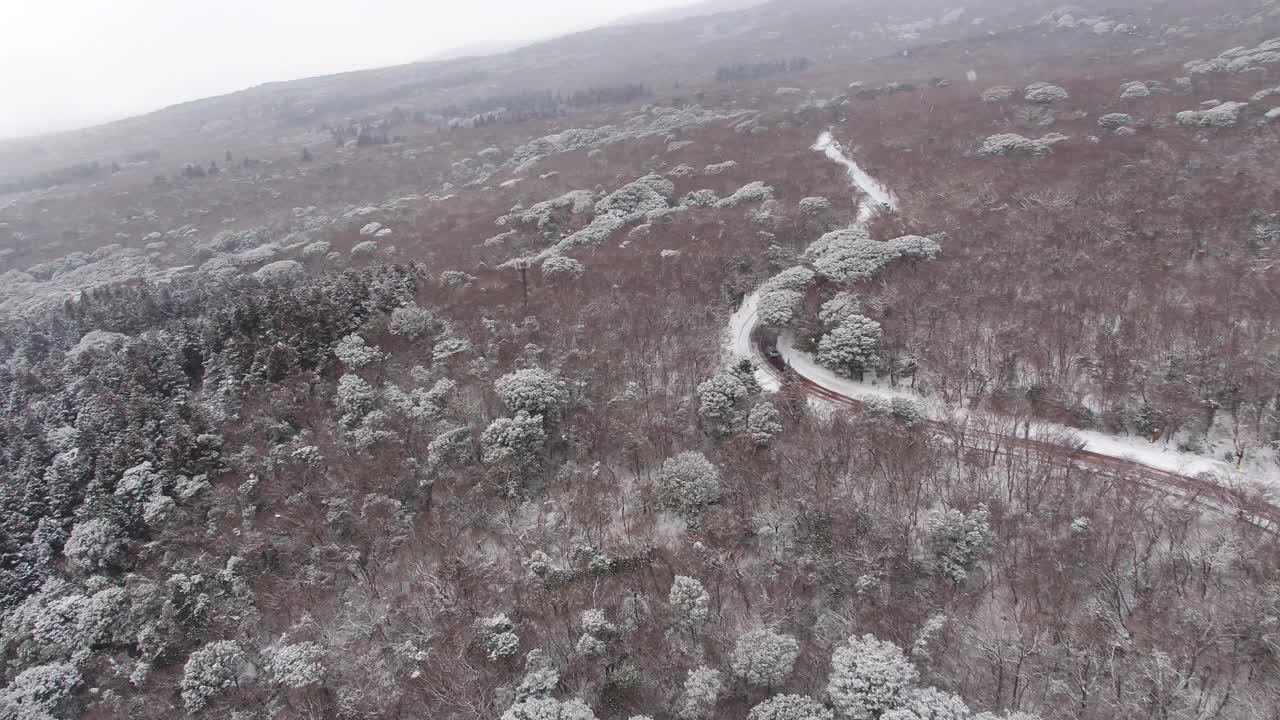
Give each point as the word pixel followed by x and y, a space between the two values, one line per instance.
pixel 688 483
pixel 701 693
pixel 690 603
pixel 559 267
pixel 209 672
pixel 449 446
pixel 764 658
pixel 519 439
pixel 790 707
pixel 596 624
pixel 719 397
pixel 355 353
pixel 956 541
pixel 1115 120
pixel 495 636
pixel 368 247
pixel 490 153
pixel 869 677
pixel 456 279
pixel 539 707
pixel 297 665
pixel 95 545
pixel 1134 90
pixel 316 249
pixel 38 692
pixel 1044 93
pixel 1223 115
pixel 700 198
pixel 449 346
pixel 681 171
pixel 793 278
pixel 780 307
pixel 1012 143
pixel 589 646
pixel 1000 93
pixel 540 676
pixel 751 192
pixel 533 391
pixel 370 229
pixel 764 423
pixel 355 396
pixel 839 308
pixel 814 205
pixel 719 168
pixel 281 271
pixel 917 247
pixel 851 347
pixel 410 322
pixel 929 704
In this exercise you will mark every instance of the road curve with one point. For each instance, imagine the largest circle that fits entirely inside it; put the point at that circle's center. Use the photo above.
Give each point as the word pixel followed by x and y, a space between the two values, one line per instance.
pixel 1199 490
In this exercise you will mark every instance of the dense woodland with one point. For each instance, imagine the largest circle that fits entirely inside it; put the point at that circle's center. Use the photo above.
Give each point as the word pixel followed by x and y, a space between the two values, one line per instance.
pixel 443 425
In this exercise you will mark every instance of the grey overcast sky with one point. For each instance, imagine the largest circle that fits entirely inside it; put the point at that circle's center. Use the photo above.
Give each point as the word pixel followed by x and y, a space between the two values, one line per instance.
pixel 70 63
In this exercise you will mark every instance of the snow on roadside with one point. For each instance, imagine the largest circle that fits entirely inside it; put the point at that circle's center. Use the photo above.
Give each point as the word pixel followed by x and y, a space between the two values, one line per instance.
pixel 1124 448
pixel 737 339
pixel 878 196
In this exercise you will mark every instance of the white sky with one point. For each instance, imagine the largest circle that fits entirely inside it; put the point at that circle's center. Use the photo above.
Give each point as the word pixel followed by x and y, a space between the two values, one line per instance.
pixel 70 63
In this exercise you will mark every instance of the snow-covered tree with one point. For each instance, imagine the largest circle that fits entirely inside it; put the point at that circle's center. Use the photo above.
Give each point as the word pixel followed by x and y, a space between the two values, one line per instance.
pixel 520 439
pixel 929 704
pixel 411 322
pixel 540 676
pixel 764 658
pixel 688 483
pixel 355 397
pixel 539 707
pixel 95 545
pixel 842 307
pixel 355 353
pixel 690 603
pixel 719 398
pixel 297 665
pixel 791 707
pixel 456 279
pixel 956 541
pixel 851 347
pixel 450 445
pixel 780 308
pixel 869 677
pixel 701 693
pixel 496 637
pixel 1044 93
pixel 764 423
pixel 209 672
pixel 798 278
pixel 534 391
pixel 559 268
pixel 38 693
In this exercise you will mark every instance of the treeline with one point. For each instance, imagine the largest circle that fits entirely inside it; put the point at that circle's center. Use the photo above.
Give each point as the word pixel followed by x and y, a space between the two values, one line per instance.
pixel 50 178
pixel 541 104
pixel 755 71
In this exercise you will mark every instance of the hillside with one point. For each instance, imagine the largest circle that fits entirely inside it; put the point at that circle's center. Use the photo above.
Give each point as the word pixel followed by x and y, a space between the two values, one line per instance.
pixel 808 360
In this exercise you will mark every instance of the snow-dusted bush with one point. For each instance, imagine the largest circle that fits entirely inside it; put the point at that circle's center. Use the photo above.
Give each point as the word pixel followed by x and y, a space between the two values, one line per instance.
pixel 701 693
pixel 690 603
pixel 719 168
pixel 917 247
pixel 1044 94
pixel 764 658
pixel 956 541
pixel 540 676
pixel 370 229
pixel 411 321
pixel 1134 90
pixel 869 677
pixel 539 707
pixel 793 278
pixel 719 397
pixel 1223 115
pixel 688 483
pixel 456 279
pixel 533 391
pixel 790 707
pixel 368 247
pixel 297 665
pixel 839 308
pixel 764 423
pixel 929 704
pixel 851 347
pixel 814 205
pixel 495 636
pixel 38 692
pixel 751 192
pixel 355 353
pixel 780 307
pixel 1012 143
pixel 519 439
pixel 1000 93
pixel 559 267
pixel 95 545
pixel 279 272
pixel 209 672
pixel 1115 120
pixel 700 198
